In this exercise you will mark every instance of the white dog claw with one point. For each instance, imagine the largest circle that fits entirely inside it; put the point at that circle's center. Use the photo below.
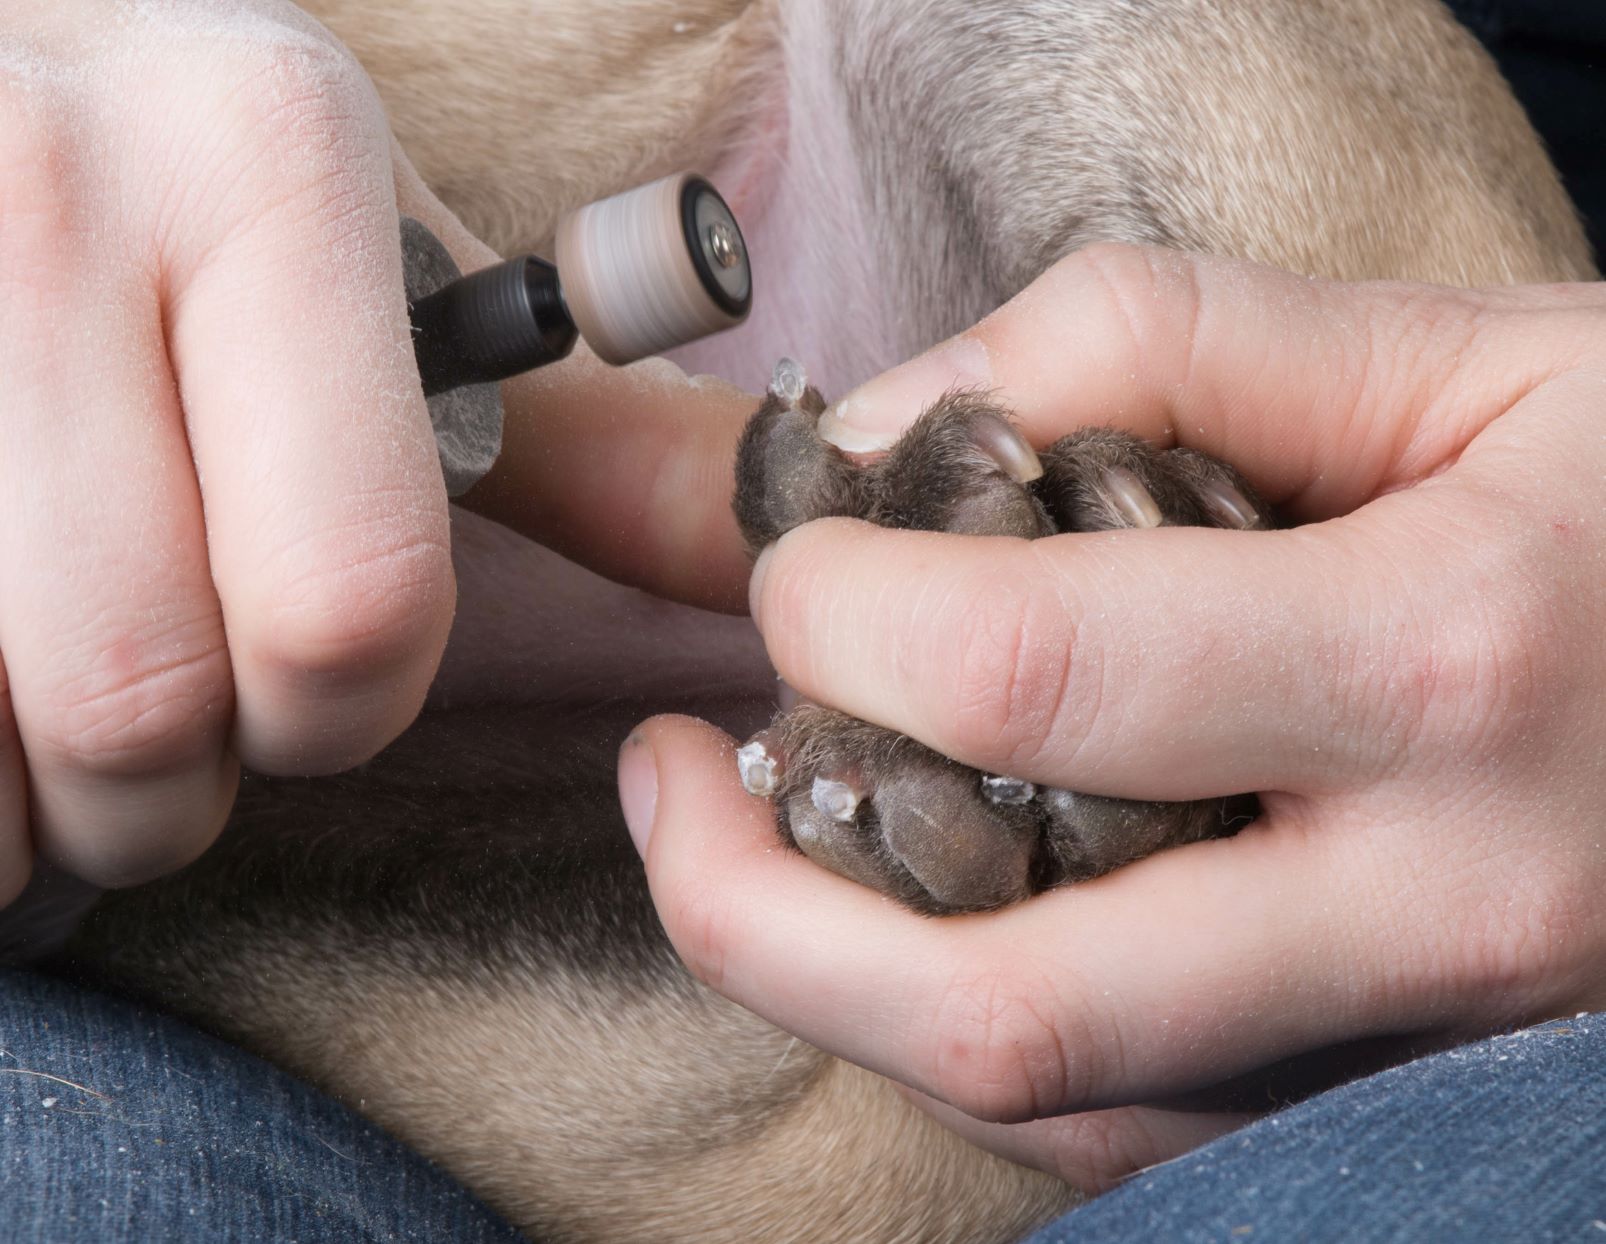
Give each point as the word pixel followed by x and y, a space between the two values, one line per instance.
pixel 761 764
pixel 789 381
pixel 1007 791
pixel 838 800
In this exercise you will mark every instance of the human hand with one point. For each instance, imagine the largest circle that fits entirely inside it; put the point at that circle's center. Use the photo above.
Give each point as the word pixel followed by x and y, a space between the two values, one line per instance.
pixel 1413 681
pixel 226 533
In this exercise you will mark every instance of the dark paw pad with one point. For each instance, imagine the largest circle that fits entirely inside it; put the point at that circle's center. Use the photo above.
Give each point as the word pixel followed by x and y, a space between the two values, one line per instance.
pixel 891 814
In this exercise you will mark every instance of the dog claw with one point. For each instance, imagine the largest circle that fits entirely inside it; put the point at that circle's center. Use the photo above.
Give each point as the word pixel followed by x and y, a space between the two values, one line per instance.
pixel 1008 448
pixel 1010 792
pixel 836 799
pixel 789 381
pixel 1228 506
pixel 1131 499
pixel 761 764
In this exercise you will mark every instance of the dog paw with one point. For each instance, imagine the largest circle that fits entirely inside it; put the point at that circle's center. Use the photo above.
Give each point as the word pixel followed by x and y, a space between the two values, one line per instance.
pixel 962 467
pixel 882 809
pixel 892 814
pixel 885 811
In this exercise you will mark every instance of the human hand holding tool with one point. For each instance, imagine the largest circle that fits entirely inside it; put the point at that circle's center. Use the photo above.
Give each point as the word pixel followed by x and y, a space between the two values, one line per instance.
pixel 226 535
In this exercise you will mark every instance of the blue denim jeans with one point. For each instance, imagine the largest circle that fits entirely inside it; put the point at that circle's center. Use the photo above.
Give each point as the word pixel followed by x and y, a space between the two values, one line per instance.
pixel 1504 1140
pixel 121 1126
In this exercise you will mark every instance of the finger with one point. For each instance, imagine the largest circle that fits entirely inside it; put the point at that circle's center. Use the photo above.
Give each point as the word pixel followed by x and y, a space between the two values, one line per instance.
pixel 1185 663
pixel 1324 394
pixel 1175 663
pixel 112 640
pixel 626 470
pixel 1091 1151
pixel 1175 973
pixel 16 845
pixel 325 509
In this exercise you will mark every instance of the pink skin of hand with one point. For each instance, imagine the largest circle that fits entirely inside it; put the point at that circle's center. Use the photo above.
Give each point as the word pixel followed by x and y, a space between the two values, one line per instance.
pixel 1412 680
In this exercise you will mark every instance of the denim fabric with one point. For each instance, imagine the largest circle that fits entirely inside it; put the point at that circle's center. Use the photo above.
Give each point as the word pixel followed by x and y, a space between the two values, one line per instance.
pixel 1500 1141
pixel 118 1125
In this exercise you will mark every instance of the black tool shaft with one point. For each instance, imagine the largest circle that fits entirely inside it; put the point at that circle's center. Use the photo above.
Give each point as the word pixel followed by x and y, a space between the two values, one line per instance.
pixel 490 325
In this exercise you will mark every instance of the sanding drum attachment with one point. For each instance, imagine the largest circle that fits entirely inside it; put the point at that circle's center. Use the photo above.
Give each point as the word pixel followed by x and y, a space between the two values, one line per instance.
pixel 653 268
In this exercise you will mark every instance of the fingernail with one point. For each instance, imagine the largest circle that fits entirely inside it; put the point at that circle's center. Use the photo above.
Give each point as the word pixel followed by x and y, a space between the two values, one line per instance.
pixel 880 409
pixel 638 789
pixel 755 585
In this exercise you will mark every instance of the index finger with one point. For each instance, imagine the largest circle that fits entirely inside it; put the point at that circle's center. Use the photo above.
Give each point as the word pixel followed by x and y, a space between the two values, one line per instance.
pixel 1323 393
pixel 627 470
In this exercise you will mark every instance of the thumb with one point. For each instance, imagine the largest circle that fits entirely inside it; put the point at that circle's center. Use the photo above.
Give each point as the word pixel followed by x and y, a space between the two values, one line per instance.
pixel 1324 394
pixel 626 470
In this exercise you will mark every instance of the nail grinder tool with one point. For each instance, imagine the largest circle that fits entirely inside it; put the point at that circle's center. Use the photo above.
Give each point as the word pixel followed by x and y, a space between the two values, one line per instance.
pixel 641 272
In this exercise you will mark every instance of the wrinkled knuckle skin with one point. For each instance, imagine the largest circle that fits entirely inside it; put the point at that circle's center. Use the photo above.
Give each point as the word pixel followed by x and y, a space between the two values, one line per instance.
pixel 1123 267
pixel 1000 1056
pixel 137 712
pixel 1489 674
pixel 1515 940
pixel 1516 677
pixel 334 619
pixel 1137 283
pixel 305 115
pixel 1010 657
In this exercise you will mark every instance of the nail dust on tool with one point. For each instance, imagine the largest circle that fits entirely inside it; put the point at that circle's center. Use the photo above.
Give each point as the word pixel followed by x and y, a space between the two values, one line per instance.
pixel 641 272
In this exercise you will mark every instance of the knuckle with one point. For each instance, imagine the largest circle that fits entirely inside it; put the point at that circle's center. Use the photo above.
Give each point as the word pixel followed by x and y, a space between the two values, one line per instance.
pixel 1001 1050
pixel 1124 268
pixel 1513 933
pixel 1486 673
pixel 1387 678
pixel 701 923
pixel 305 116
pixel 1512 672
pixel 1476 665
pixel 325 611
pixel 1140 296
pixel 1011 660
pixel 147 702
